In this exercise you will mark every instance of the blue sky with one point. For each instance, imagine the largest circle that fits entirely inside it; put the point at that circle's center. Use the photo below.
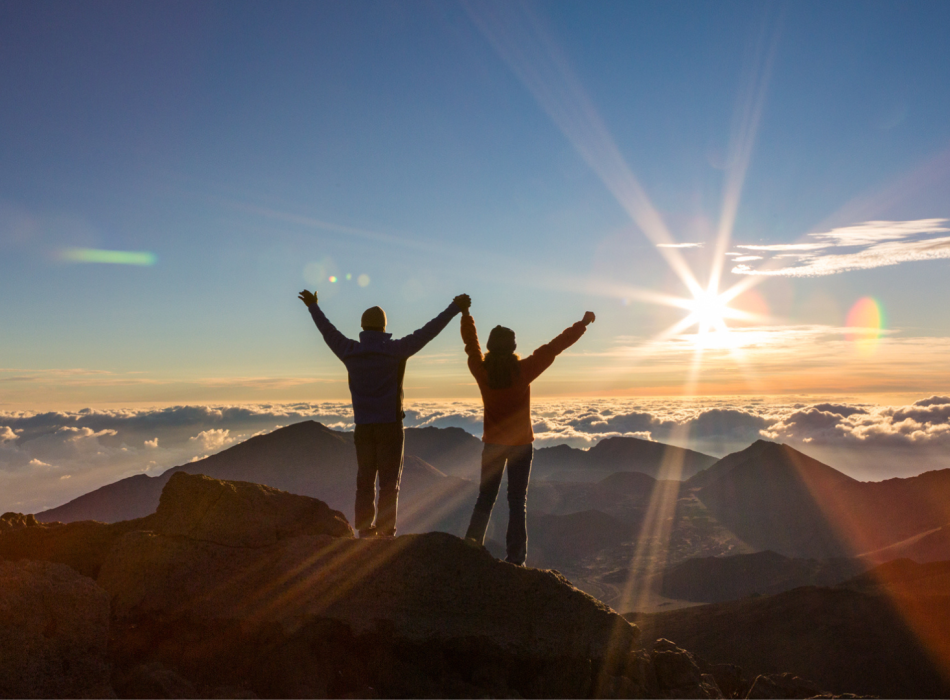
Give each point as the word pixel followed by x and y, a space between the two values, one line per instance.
pixel 439 148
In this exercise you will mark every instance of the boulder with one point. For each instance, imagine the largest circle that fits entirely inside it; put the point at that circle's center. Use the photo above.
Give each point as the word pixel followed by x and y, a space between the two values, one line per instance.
pixel 54 632
pixel 239 513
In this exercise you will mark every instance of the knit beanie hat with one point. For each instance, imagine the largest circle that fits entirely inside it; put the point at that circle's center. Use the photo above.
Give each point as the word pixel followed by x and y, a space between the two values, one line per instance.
pixel 374 317
pixel 501 340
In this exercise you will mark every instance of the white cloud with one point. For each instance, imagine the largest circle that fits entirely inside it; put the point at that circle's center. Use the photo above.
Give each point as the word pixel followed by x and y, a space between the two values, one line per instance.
pixel 679 245
pixel 75 434
pixel 7 434
pixel 878 244
pixel 871 232
pixel 745 258
pixel 925 423
pixel 98 447
pixel 213 439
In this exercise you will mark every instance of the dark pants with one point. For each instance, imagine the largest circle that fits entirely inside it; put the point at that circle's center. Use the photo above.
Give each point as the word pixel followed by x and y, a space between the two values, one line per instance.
pixel 379 448
pixel 494 458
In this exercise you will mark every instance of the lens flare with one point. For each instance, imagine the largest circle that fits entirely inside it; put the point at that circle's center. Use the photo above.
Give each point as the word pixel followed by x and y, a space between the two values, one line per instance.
pixel 142 258
pixel 332 279
pixel 317 271
pixel 865 323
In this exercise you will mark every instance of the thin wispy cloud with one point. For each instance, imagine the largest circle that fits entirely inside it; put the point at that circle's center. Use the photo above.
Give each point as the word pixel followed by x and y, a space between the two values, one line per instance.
pixel 872 244
pixel 679 245
pixel 872 232
pixel 785 246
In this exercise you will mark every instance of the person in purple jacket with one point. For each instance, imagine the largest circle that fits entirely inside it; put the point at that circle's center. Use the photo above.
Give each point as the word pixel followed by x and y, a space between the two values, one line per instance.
pixel 376 365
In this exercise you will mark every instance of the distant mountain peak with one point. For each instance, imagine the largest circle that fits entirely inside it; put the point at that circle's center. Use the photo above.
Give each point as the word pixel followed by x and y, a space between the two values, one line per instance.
pixel 765 456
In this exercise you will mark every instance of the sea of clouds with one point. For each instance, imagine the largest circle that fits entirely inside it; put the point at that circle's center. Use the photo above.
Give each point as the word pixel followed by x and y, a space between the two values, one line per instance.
pixel 48 458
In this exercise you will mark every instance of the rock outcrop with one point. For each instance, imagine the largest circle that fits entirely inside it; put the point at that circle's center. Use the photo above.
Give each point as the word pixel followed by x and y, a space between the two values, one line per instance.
pixel 418 615
pixel 232 589
pixel 240 514
pixel 17 521
pixel 82 545
pixel 419 587
pixel 54 631
pixel 782 685
pixel 232 513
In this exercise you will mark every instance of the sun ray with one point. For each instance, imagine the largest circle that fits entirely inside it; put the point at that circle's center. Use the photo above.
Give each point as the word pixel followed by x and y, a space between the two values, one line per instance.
pixel 744 129
pixel 520 38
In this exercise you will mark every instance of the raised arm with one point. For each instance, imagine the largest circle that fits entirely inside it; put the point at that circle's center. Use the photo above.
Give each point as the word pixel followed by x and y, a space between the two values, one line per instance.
pixel 472 347
pixel 543 357
pixel 336 341
pixel 414 342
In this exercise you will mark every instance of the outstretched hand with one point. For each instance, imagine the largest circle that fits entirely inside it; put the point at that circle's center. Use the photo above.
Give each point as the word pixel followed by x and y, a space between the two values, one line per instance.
pixel 308 298
pixel 589 318
pixel 463 301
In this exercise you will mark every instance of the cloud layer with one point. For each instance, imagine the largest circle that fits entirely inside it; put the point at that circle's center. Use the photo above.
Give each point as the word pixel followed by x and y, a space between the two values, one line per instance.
pixel 49 458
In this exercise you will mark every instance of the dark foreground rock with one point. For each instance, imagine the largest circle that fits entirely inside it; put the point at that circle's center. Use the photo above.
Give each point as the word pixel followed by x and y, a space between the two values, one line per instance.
pixel 782 685
pixel 419 615
pixel 54 630
pixel 82 546
pixel 232 589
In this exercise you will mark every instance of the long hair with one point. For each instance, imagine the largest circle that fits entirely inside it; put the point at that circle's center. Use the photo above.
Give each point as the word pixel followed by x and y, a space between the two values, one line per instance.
pixel 502 368
pixel 501 362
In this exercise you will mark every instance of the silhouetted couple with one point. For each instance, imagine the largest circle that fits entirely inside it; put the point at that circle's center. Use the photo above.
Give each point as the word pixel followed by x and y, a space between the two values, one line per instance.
pixel 376 365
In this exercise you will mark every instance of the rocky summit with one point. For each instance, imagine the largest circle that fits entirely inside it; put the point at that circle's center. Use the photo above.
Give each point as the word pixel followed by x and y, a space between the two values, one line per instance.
pixel 233 589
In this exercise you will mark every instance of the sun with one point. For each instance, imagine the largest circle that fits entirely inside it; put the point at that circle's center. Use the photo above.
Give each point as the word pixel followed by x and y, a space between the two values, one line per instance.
pixel 708 310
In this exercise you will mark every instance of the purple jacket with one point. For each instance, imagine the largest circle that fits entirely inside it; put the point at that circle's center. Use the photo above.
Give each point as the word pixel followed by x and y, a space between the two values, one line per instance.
pixel 376 364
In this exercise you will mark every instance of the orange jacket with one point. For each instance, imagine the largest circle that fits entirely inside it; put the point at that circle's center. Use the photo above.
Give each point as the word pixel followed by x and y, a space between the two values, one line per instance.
pixel 508 411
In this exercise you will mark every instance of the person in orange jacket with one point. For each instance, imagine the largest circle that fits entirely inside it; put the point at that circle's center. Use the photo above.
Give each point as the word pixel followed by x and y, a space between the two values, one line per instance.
pixel 504 380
